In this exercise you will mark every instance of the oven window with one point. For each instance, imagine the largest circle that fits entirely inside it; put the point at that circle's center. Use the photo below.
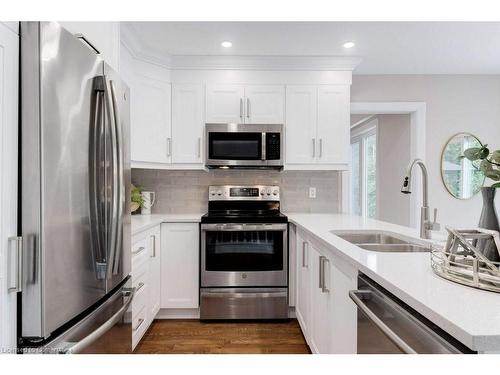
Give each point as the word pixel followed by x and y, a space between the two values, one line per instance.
pixel 244 251
pixel 234 146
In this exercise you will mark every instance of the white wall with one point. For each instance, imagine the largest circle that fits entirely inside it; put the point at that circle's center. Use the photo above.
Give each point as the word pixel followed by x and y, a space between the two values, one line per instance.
pixel 455 103
pixel 393 155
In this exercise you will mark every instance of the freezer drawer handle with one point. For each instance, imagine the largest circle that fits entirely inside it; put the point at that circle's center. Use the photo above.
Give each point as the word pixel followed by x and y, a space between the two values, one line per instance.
pixel 77 347
pixel 378 322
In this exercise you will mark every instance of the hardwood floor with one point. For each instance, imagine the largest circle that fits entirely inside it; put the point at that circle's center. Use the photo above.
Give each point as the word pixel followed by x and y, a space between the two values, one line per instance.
pixel 195 337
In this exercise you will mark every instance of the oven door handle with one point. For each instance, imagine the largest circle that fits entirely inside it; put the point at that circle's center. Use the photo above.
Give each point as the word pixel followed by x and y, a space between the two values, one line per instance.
pixel 243 227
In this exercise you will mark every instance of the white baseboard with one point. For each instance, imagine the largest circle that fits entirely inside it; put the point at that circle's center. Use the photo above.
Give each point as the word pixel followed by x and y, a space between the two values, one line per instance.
pixel 195 313
pixel 178 314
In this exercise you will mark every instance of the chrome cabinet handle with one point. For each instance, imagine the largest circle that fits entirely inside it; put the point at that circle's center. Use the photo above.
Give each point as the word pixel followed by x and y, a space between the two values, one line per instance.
pixel 19 264
pixel 248 108
pixel 241 108
pixel 139 325
pixel 314 147
pixel 323 260
pixel 398 341
pixel 304 249
pixel 199 148
pixel 169 146
pixel 153 245
pixel 320 147
pixel 139 250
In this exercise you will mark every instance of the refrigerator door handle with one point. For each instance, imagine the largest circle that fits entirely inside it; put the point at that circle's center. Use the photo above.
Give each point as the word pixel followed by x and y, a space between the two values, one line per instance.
pixel 96 179
pixel 119 188
pixel 113 163
pixel 77 347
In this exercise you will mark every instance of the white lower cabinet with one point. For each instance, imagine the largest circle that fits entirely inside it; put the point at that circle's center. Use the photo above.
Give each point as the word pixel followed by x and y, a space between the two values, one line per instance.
pixel 154 272
pixel 146 278
pixel 180 265
pixel 327 316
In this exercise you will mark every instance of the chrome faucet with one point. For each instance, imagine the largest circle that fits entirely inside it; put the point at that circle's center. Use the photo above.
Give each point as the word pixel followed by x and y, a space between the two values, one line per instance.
pixel 426 226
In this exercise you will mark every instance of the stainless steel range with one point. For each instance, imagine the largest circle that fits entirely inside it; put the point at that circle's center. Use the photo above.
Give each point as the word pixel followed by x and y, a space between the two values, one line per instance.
pixel 244 254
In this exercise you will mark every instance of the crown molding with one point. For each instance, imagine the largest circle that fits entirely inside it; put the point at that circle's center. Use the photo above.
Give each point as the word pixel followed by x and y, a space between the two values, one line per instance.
pixel 140 51
pixel 264 63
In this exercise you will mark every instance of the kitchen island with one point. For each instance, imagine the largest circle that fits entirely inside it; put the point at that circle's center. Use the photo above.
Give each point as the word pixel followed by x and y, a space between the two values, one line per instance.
pixel 470 315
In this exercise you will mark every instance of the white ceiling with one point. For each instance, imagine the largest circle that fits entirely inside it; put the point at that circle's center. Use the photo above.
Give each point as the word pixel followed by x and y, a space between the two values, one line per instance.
pixel 385 47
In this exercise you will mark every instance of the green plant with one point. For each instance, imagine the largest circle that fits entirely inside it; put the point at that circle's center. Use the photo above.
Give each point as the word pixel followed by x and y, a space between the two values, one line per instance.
pixel 490 162
pixel 136 199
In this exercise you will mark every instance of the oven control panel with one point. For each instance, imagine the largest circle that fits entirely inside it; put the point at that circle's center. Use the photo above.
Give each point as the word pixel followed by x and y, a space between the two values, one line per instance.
pixel 256 192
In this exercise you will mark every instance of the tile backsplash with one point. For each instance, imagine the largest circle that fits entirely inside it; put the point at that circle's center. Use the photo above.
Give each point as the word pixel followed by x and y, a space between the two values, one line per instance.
pixel 187 191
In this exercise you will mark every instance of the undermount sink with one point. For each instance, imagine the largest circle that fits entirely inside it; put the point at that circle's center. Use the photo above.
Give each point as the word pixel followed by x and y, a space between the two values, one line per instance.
pixel 382 241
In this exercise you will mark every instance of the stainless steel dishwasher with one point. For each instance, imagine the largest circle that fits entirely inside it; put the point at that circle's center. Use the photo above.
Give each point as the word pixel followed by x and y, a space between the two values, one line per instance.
pixel 386 325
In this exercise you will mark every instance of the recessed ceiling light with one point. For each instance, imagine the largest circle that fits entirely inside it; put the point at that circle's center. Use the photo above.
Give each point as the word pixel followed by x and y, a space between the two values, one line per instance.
pixel 226 44
pixel 349 44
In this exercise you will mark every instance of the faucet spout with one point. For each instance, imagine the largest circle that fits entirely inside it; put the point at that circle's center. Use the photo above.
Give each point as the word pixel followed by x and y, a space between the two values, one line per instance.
pixel 425 224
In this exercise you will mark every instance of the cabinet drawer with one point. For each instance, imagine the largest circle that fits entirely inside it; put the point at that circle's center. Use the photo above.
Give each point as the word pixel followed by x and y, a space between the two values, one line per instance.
pixel 139 326
pixel 140 253
pixel 140 300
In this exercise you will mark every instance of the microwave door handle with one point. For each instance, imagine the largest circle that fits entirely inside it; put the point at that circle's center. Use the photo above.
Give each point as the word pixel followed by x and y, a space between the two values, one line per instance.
pixel 263 154
pixel 391 335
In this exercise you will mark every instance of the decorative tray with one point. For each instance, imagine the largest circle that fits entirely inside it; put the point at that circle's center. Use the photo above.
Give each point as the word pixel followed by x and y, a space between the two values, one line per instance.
pixel 465 259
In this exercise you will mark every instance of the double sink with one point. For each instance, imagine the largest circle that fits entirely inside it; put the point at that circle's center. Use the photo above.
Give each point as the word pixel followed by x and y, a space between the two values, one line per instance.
pixel 382 241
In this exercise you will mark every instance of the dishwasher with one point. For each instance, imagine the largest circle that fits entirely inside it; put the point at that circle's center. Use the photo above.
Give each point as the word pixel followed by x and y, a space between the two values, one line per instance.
pixel 386 325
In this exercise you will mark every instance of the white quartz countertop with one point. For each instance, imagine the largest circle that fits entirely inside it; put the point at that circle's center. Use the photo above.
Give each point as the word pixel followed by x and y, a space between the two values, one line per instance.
pixel 143 222
pixel 470 315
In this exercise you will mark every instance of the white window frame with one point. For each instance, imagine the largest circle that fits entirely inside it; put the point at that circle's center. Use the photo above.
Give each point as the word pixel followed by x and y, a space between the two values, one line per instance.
pixel 361 139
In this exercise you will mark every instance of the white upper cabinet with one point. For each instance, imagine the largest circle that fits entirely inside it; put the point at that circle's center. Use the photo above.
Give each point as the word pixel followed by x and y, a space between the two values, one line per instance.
pixel 225 104
pixel 104 36
pixel 151 130
pixel 187 123
pixel 251 104
pixel 333 124
pixel 301 118
pixel 264 104
pixel 317 127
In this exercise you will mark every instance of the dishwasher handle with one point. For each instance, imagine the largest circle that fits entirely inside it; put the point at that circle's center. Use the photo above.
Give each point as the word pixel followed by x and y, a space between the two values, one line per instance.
pixel 398 341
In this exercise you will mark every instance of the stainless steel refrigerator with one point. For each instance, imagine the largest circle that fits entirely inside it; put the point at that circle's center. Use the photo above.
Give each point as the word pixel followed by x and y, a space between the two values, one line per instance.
pixel 75 176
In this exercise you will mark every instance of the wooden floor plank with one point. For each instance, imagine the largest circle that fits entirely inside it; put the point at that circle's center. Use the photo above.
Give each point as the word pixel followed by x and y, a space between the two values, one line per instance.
pixel 196 337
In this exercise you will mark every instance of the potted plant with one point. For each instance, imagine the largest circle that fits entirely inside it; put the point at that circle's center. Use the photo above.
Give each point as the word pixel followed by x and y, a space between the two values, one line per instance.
pixel 136 199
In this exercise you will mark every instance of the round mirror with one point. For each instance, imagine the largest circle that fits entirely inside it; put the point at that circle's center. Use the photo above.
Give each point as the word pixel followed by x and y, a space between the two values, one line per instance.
pixel 462 178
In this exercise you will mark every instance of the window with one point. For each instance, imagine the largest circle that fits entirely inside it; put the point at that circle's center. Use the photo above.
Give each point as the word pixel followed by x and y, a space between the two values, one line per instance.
pixel 364 174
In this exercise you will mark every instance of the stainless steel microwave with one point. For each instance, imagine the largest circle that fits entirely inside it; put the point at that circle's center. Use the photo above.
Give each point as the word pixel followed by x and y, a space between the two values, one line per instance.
pixel 244 146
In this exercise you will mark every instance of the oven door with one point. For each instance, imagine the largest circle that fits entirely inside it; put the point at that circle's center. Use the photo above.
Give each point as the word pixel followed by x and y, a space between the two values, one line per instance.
pixel 243 255
pixel 235 149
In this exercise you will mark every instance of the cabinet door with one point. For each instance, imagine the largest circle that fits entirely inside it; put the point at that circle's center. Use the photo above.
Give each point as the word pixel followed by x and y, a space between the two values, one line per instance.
pixel 180 265
pixel 154 285
pixel 301 118
pixel 150 120
pixel 302 302
pixel 224 104
pixel 187 123
pixel 9 61
pixel 333 124
pixel 264 104
pixel 344 312
pixel 321 304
